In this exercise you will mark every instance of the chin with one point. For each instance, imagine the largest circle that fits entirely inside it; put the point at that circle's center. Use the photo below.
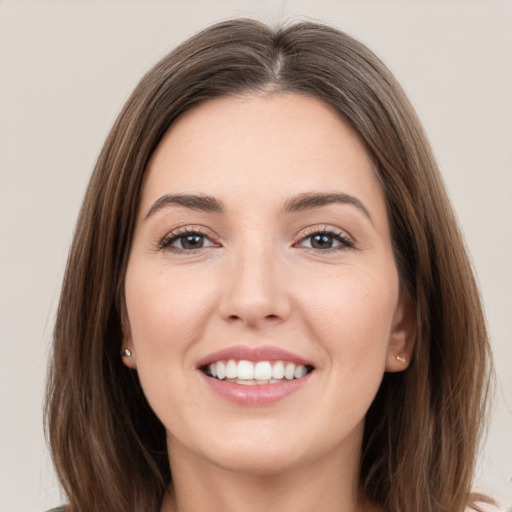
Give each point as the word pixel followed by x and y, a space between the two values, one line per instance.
pixel 259 462
pixel 268 452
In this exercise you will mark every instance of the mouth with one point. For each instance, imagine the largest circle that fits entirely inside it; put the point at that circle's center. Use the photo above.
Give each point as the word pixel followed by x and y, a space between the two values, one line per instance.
pixel 255 373
pixel 255 376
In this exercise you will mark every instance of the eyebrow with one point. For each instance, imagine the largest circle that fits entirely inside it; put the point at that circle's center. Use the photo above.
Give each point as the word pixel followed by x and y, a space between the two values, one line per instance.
pixel 192 201
pixel 301 202
pixel 310 200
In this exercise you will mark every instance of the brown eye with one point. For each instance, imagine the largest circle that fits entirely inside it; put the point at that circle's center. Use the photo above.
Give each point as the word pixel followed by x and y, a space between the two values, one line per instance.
pixel 325 241
pixel 190 241
pixel 182 242
pixel 322 241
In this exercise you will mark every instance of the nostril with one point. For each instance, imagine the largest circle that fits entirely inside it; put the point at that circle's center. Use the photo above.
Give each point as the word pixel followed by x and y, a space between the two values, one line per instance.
pixel 267 317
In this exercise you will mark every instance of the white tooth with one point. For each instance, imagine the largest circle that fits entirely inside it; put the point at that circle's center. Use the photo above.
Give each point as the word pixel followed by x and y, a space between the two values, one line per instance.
pixel 231 369
pixel 289 371
pixel 213 369
pixel 274 381
pixel 221 370
pixel 245 370
pixel 278 370
pixel 300 371
pixel 262 371
pixel 261 382
pixel 246 382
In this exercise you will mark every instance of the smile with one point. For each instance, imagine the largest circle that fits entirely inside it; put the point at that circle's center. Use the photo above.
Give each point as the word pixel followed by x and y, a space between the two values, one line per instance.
pixel 255 376
pixel 256 372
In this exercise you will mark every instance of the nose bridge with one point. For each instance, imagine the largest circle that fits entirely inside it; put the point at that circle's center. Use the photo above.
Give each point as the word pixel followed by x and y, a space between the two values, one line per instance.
pixel 255 291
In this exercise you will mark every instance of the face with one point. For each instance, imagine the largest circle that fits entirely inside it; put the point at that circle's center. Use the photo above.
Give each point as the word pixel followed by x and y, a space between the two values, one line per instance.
pixel 262 296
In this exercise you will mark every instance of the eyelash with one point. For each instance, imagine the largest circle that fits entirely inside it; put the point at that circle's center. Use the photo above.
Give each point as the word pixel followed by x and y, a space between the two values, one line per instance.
pixel 346 243
pixel 169 239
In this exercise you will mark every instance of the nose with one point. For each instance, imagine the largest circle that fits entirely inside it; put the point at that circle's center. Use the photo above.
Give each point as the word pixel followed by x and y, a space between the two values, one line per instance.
pixel 255 294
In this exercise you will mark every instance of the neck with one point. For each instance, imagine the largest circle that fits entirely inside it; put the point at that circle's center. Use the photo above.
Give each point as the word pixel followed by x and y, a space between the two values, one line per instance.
pixel 329 485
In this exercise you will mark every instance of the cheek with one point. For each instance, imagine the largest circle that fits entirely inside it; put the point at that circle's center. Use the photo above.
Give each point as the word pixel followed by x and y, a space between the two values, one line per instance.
pixel 167 314
pixel 352 313
pixel 167 311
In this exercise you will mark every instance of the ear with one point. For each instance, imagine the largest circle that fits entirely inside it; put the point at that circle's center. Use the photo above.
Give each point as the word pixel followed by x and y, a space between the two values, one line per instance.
pixel 127 349
pixel 403 335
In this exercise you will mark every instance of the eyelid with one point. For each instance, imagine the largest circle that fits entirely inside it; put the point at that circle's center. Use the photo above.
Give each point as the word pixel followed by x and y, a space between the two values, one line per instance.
pixel 347 242
pixel 165 242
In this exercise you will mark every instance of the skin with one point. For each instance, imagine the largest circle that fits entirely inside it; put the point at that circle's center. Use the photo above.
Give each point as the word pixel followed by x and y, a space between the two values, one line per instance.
pixel 259 278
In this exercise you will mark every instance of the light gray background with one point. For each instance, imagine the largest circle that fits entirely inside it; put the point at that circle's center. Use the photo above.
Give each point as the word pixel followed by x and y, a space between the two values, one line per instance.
pixel 66 69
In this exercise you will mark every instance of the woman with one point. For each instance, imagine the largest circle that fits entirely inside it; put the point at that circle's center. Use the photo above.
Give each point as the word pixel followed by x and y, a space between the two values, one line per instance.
pixel 267 303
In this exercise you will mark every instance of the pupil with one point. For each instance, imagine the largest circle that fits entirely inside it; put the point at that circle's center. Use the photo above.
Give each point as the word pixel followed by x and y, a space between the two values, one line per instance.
pixel 192 241
pixel 321 241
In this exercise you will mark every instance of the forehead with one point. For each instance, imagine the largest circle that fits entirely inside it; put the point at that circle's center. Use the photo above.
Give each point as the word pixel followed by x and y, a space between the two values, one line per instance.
pixel 250 144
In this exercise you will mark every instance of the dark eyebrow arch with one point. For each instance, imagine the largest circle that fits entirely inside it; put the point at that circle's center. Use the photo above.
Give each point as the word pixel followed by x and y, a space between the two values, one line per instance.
pixel 194 202
pixel 310 200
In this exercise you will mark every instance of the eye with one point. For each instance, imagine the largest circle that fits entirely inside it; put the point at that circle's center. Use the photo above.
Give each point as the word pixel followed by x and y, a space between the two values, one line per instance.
pixel 326 240
pixel 186 241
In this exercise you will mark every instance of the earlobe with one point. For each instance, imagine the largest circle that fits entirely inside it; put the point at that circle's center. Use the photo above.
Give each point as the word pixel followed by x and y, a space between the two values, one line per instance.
pixel 126 352
pixel 403 335
pixel 127 349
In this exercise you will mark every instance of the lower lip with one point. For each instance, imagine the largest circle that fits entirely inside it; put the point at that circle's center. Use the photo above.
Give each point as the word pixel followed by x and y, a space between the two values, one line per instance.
pixel 258 394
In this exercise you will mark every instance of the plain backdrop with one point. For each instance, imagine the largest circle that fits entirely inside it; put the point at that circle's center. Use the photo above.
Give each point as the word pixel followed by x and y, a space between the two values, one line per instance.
pixel 66 69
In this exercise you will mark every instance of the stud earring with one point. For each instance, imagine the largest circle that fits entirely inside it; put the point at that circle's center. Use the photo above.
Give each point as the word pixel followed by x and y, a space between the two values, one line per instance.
pixel 400 358
pixel 126 352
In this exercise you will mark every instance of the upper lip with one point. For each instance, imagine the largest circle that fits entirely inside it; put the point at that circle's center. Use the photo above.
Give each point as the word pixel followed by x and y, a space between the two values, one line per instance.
pixel 254 354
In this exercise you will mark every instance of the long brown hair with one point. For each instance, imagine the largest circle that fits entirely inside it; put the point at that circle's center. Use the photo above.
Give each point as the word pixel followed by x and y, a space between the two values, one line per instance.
pixel 422 431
